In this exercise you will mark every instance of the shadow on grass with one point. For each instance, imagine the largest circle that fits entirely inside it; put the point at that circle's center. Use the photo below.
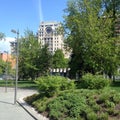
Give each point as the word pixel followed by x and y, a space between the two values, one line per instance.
pixel 27 85
pixel 115 84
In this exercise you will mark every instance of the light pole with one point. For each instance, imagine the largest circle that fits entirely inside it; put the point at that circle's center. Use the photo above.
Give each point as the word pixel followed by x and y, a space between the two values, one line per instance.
pixel 17 54
pixel 6 71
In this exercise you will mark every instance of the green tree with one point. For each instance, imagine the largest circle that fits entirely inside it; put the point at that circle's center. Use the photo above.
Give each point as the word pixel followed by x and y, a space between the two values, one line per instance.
pixel 28 48
pixel 59 61
pixel 112 11
pixel 34 60
pixel 112 7
pixel 2 63
pixel 2 66
pixel 89 37
pixel 45 61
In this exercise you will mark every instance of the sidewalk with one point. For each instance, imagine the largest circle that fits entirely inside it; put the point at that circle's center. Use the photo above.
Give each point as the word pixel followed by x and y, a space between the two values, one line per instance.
pixel 9 111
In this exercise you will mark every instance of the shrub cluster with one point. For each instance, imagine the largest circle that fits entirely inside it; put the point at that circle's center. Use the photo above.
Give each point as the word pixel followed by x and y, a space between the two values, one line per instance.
pixel 61 101
pixel 76 105
pixel 51 85
pixel 90 81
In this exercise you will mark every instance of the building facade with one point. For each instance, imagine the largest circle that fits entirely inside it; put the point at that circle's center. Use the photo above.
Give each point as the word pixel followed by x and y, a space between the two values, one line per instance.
pixel 117 27
pixel 8 58
pixel 48 34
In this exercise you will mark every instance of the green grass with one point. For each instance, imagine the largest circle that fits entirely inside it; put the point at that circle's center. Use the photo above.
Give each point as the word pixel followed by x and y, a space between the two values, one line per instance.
pixel 31 85
pixel 26 84
pixel 116 86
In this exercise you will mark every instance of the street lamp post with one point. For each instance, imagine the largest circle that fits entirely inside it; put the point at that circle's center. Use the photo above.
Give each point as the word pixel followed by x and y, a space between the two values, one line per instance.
pixel 17 54
pixel 6 78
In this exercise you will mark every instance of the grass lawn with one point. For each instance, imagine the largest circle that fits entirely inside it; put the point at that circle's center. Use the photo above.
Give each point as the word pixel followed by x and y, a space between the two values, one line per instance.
pixel 31 85
pixel 116 86
pixel 21 84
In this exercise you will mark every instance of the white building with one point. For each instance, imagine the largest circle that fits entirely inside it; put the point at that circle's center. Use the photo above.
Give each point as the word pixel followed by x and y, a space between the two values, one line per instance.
pixel 48 34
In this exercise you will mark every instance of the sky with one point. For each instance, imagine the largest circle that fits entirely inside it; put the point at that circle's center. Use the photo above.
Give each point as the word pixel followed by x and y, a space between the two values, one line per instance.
pixel 27 14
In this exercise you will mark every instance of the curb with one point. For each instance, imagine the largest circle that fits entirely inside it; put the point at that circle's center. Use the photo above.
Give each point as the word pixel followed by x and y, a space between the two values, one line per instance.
pixel 30 110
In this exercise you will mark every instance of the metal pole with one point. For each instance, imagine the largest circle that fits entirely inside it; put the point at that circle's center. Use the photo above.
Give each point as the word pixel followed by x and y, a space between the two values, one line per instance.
pixel 17 54
pixel 6 71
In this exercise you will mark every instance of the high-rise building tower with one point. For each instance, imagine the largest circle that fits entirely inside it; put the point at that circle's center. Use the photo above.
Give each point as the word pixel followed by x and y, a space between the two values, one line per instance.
pixel 48 34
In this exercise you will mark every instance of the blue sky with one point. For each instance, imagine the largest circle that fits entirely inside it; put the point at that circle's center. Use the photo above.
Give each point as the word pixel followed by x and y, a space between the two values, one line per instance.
pixel 23 14
pixel 27 14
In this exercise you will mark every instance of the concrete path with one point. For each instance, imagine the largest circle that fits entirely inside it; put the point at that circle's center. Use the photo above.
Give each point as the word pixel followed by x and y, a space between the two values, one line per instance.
pixel 9 111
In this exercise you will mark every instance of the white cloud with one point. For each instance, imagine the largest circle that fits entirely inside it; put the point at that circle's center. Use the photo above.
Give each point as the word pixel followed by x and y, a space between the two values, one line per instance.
pixel 9 39
pixel 5 44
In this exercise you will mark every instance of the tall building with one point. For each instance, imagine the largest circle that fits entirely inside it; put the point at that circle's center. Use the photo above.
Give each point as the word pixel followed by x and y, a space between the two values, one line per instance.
pixel 48 34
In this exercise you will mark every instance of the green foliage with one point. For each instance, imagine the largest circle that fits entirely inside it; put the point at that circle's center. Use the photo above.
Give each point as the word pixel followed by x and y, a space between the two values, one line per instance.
pixel 45 61
pixel 91 116
pixel 90 81
pixel 112 7
pixel 32 98
pixel 58 60
pixel 34 60
pixel 2 66
pixel 40 104
pixel 70 104
pixel 90 37
pixel 103 116
pixel 116 98
pixel 77 105
pixel 109 104
pixel 104 96
pixel 50 85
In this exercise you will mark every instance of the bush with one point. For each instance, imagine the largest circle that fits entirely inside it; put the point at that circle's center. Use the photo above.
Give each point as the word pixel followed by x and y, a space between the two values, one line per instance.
pixel 50 85
pixel 79 104
pixel 90 81
pixel 103 116
pixel 67 105
pixel 91 116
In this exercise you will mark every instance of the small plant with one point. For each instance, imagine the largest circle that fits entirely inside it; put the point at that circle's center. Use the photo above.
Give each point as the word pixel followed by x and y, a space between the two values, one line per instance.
pixel 91 116
pixel 110 111
pixel 109 104
pixel 116 98
pixel 104 96
pixel 40 104
pixel 103 116
pixel 31 98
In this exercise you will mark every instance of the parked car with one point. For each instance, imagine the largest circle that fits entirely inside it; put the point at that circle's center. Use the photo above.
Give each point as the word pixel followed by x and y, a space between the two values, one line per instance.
pixel 8 77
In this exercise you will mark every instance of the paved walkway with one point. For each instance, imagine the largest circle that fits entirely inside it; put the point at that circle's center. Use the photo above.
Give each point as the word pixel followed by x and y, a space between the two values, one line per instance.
pixel 9 111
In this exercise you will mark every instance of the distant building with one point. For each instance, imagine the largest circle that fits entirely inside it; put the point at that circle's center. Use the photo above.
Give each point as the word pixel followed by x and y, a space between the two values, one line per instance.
pixel 117 27
pixel 8 58
pixel 48 34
